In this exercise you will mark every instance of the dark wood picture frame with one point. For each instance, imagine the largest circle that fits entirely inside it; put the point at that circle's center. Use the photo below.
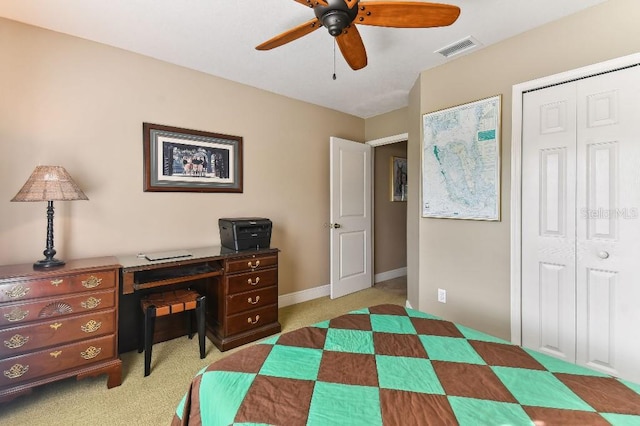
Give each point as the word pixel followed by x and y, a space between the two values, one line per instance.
pixel 185 160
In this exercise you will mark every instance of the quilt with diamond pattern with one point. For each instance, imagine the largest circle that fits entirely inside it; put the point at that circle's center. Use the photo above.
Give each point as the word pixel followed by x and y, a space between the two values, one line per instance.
pixel 396 366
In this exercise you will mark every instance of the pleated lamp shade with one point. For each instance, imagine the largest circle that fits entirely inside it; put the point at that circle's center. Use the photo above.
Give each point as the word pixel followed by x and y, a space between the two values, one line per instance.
pixel 50 183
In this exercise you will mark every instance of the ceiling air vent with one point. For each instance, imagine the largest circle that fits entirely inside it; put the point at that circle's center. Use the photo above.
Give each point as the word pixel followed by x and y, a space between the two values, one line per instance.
pixel 458 47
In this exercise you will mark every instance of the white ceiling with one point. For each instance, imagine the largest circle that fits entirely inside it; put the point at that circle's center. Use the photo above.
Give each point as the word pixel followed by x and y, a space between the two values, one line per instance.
pixel 219 37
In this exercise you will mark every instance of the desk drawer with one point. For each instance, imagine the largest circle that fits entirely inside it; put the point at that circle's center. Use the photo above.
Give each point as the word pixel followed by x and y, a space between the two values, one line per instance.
pixel 253 263
pixel 32 366
pixel 240 302
pixel 252 281
pixel 18 314
pixel 54 286
pixel 252 319
pixel 18 340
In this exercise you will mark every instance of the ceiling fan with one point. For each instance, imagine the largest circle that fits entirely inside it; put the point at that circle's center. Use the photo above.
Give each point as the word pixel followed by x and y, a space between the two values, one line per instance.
pixel 341 16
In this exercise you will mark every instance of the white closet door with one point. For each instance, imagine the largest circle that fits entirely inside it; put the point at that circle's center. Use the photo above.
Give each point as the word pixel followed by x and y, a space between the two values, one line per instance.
pixel 548 221
pixel 608 223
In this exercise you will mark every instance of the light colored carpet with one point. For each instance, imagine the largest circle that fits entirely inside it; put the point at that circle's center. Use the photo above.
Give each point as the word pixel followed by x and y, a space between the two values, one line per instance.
pixel 152 400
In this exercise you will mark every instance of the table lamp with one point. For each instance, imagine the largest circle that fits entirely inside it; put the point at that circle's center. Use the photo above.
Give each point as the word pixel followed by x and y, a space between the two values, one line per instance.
pixel 49 183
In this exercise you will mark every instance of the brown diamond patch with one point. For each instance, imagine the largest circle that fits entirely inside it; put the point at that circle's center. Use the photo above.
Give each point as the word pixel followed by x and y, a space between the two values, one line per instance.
pixel 351 322
pixel 388 310
pixel 308 337
pixel 505 355
pixel 247 360
pixel 557 417
pixel 471 381
pixel 605 394
pixel 412 408
pixel 276 401
pixel 348 368
pixel 435 327
pixel 408 345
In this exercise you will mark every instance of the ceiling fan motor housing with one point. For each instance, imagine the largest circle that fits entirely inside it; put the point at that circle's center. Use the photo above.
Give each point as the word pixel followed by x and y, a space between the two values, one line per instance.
pixel 336 16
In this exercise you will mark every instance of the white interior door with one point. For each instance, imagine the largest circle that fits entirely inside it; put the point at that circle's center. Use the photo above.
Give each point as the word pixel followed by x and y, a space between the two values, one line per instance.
pixel 608 223
pixel 351 216
pixel 548 221
pixel 580 221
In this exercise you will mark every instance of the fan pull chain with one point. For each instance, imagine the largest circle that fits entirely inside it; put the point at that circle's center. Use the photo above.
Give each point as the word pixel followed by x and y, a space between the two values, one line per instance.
pixel 334 59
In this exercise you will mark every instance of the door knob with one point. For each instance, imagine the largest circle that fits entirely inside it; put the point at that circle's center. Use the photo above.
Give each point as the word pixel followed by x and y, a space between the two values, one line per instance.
pixel 603 255
pixel 336 225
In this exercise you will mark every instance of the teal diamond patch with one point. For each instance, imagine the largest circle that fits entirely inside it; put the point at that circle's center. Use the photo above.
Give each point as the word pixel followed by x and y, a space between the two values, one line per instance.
pixel 473 412
pixel 227 386
pixel 417 314
pixel 392 324
pixel 548 390
pixel 452 349
pixel 292 362
pixel 332 403
pixel 621 419
pixel 472 334
pixel 407 374
pixel 556 365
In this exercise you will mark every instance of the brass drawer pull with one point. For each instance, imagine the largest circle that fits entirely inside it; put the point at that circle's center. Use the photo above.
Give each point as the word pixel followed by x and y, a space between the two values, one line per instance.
pixel 91 327
pixel 253 322
pixel 252 266
pixel 91 303
pixel 16 341
pixel 57 282
pixel 16 315
pixel 16 371
pixel 55 354
pixel 55 325
pixel 253 282
pixel 92 282
pixel 17 292
pixel 250 300
pixel 91 352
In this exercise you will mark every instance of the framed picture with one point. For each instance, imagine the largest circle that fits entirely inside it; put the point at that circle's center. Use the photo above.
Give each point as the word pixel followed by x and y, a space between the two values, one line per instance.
pixel 183 160
pixel 398 179
pixel 461 161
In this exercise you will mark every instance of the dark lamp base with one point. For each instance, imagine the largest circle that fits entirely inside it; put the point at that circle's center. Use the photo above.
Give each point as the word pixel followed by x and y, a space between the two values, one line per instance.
pixel 48 263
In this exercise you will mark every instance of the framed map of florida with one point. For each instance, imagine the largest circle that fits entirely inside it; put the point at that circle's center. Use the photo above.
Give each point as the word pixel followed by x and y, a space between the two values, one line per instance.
pixel 461 161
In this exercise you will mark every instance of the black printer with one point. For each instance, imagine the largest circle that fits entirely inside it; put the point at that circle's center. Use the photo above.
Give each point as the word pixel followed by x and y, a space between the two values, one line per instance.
pixel 245 233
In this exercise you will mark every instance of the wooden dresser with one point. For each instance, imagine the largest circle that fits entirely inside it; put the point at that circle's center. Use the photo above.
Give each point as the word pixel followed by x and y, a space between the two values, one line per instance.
pixel 58 323
pixel 241 289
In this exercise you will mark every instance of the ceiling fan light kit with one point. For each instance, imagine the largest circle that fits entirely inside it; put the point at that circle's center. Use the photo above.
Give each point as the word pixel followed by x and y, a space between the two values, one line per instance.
pixel 341 16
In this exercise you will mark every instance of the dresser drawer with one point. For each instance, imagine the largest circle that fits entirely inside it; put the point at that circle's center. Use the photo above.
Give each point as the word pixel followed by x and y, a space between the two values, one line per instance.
pixel 253 263
pixel 18 340
pixel 240 302
pixel 32 366
pixel 252 319
pixel 64 284
pixel 252 281
pixel 19 313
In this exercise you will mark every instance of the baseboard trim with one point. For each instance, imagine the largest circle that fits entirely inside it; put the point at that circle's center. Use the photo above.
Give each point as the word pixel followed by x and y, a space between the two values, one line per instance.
pixel 389 275
pixel 303 296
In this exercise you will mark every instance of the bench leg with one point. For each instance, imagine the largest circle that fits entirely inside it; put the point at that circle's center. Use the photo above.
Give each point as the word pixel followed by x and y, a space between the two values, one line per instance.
pixel 149 325
pixel 200 319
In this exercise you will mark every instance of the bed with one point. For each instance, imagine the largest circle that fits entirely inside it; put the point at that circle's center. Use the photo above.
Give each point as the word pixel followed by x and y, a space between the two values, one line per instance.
pixel 396 366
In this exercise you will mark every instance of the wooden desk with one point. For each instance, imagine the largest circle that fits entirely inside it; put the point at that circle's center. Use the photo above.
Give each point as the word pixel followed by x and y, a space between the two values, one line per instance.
pixel 241 289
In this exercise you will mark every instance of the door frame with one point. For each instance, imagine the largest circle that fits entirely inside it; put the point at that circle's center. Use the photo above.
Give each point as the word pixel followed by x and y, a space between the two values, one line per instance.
pixel 518 91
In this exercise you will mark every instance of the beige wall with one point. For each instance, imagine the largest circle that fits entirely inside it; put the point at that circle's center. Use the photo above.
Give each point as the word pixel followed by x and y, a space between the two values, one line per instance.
pixel 471 259
pixel 390 217
pixel 71 102
pixel 384 125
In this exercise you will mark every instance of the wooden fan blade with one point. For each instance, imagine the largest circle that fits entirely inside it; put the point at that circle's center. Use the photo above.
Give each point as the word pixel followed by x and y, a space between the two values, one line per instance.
pixel 292 34
pixel 313 3
pixel 352 47
pixel 406 14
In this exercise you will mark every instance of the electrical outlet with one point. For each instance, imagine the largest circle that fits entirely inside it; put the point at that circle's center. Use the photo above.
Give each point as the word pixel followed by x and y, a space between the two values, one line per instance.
pixel 442 295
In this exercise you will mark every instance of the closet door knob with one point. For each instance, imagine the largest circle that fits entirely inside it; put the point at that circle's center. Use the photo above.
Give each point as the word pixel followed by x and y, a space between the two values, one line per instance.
pixel 603 255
